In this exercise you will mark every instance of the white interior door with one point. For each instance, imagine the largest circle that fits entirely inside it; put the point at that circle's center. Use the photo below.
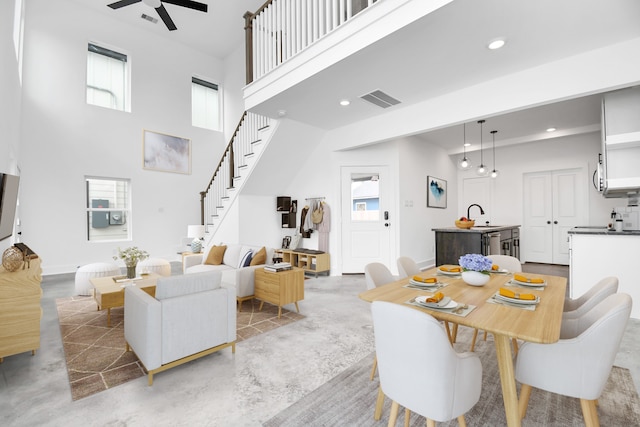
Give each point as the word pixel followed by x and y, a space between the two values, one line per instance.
pixel 554 202
pixel 366 218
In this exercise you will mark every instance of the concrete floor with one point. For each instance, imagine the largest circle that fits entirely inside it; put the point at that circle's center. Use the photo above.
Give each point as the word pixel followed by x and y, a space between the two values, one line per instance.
pixel 267 374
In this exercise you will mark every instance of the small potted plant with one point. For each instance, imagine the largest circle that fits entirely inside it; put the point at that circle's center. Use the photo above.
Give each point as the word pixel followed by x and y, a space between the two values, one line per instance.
pixel 131 256
pixel 475 269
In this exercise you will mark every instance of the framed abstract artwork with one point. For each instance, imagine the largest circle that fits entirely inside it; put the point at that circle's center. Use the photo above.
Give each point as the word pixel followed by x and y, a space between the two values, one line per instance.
pixel 166 153
pixel 436 192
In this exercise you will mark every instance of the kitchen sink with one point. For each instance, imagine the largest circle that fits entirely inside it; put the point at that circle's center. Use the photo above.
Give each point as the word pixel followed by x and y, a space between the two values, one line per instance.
pixel 487 226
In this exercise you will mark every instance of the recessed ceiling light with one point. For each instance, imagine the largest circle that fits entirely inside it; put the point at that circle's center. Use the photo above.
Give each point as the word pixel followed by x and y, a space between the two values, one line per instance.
pixel 282 113
pixel 551 130
pixel 496 44
pixel 345 102
pixel 467 144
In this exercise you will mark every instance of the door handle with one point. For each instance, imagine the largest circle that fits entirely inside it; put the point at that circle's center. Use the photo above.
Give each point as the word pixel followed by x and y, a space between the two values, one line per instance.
pixel 386 224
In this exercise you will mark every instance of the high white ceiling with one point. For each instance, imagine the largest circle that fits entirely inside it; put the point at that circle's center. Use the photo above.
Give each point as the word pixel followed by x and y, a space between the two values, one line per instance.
pixel 217 32
pixel 441 52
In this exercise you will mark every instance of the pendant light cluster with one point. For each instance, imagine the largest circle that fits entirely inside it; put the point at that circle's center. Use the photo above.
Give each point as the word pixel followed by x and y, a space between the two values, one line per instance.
pixel 465 164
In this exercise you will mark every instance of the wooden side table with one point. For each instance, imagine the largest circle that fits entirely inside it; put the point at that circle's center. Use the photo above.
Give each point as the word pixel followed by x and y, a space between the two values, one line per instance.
pixel 281 288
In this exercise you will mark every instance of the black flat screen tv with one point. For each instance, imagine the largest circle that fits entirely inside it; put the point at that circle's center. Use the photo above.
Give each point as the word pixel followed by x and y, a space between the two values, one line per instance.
pixel 8 203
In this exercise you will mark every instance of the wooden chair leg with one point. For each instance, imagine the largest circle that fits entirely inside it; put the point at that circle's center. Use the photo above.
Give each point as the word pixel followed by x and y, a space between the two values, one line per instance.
pixel 590 413
pixel 485 335
pixel 461 421
pixel 373 368
pixel 407 417
pixel 393 416
pixel 523 401
pixel 379 403
pixel 446 326
pixel 473 340
pixel 454 332
pixel 431 423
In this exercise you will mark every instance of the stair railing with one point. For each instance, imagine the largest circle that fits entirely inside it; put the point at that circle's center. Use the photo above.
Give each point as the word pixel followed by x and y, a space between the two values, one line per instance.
pixel 282 28
pixel 233 161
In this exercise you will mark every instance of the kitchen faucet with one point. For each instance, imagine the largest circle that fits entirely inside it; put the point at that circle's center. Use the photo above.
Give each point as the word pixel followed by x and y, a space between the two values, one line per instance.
pixel 469 208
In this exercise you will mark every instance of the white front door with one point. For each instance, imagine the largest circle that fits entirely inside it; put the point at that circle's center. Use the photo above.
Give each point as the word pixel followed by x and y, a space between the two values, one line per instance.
pixel 366 217
pixel 554 202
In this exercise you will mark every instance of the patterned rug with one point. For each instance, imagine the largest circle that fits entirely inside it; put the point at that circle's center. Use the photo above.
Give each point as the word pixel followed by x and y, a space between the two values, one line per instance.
pixel 96 354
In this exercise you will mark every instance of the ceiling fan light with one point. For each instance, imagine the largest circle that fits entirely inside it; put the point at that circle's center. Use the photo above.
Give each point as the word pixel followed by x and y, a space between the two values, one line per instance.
pixel 152 3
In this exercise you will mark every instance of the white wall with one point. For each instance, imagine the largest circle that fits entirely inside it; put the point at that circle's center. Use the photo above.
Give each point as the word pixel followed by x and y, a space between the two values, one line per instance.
pixel 11 100
pixel 66 139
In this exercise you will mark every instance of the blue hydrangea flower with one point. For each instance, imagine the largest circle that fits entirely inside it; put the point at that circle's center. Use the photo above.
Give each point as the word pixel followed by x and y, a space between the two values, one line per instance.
pixel 475 262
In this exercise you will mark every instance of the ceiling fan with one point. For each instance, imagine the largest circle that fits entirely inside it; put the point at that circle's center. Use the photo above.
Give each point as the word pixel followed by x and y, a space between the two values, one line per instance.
pixel 159 7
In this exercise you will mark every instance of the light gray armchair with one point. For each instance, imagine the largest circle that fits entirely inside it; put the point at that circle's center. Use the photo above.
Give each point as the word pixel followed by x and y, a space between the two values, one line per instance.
pixel 191 316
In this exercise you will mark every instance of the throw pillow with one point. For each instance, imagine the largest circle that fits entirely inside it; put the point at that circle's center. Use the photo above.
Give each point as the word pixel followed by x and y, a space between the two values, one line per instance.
pixel 245 260
pixel 260 257
pixel 215 255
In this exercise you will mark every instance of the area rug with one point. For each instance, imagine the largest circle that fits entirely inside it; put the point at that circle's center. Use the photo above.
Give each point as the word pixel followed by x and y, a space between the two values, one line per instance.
pixel 349 400
pixel 96 354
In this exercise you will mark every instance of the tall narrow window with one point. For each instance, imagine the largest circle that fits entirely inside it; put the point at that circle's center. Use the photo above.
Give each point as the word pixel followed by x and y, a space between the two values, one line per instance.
pixel 107 78
pixel 108 209
pixel 205 104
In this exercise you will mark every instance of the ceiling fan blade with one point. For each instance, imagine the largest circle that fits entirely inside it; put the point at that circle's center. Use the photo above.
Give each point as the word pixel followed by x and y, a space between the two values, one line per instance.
pixel 188 3
pixel 166 18
pixel 122 3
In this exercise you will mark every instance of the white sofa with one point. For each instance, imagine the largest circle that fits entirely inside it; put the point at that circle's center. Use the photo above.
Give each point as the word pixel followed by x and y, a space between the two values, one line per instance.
pixel 232 270
pixel 191 316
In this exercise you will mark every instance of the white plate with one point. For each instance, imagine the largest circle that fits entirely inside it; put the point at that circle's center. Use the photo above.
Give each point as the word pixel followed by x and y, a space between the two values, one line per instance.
pixel 426 285
pixel 449 273
pixel 501 271
pixel 445 302
pixel 533 285
pixel 518 301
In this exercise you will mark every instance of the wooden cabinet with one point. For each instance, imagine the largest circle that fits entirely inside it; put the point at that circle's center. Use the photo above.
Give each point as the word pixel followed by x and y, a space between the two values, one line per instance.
pixel 308 260
pixel 281 288
pixel 20 310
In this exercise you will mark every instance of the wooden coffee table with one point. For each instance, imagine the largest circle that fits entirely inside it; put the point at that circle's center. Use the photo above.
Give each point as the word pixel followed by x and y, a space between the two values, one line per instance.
pixel 109 294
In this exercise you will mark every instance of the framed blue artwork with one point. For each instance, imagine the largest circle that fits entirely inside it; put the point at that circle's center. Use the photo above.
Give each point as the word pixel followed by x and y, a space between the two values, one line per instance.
pixel 436 192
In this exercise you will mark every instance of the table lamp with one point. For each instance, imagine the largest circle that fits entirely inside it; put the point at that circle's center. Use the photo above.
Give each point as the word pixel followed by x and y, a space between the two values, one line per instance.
pixel 197 232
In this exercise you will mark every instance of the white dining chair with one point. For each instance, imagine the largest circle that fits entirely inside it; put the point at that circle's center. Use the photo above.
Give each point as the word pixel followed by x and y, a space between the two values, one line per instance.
pixel 512 265
pixel 577 366
pixel 377 274
pixel 507 262
pixel 407 267
pixel 407 341
pixel 574 308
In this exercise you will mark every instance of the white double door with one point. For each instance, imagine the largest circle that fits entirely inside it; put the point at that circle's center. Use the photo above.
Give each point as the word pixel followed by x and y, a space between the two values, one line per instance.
pixel 554 202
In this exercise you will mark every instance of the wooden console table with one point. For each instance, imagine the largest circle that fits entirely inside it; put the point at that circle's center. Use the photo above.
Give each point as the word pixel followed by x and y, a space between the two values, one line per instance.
pixel 20 310
pixel 309 262
pixel 281 288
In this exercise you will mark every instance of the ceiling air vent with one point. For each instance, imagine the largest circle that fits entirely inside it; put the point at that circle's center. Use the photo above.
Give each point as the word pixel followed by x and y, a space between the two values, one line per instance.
pixel 148 18
pixel 381 99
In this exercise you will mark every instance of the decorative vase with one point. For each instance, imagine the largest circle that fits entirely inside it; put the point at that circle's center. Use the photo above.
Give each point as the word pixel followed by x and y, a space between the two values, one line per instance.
pixel 475 278
pixel 131 271
pixel 196 246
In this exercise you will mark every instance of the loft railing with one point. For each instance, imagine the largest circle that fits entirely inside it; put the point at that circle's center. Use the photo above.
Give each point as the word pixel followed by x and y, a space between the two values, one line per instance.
pixel 282 28
pixel 233 161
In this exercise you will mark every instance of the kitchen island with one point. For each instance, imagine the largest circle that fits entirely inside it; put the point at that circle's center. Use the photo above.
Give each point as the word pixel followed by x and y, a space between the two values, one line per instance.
pixel 453 242
pixel 596 252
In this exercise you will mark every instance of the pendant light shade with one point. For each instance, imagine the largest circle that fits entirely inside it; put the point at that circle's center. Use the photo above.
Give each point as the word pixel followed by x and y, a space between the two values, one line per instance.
pixel 464 163
pixel 482 169
pixel 494 172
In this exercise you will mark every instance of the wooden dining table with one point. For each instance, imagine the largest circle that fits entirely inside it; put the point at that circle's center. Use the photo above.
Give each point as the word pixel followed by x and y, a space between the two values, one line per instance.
pixel 505 322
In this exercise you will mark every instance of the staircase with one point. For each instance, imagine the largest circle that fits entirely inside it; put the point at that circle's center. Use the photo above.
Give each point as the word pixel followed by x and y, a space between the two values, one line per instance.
pixel 248 142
